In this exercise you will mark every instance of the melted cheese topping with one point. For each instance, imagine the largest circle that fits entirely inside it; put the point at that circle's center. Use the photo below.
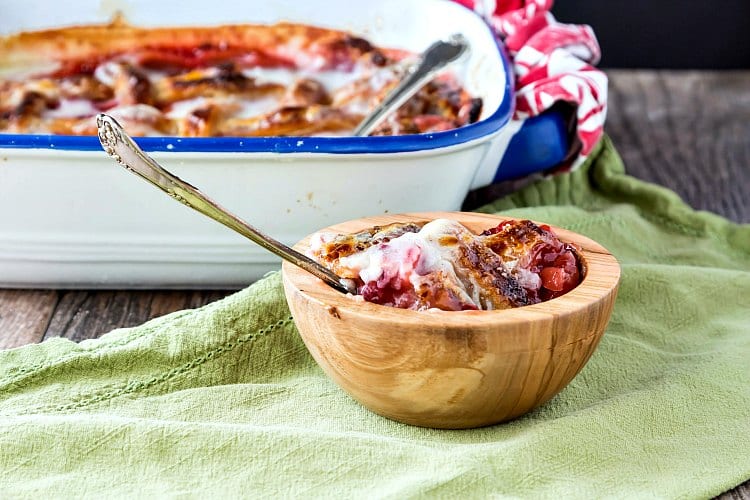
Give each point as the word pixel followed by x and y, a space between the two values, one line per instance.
pixel 71 108
pixel 417 258
pixel 331 79
pixel 443 265
pixel 273 80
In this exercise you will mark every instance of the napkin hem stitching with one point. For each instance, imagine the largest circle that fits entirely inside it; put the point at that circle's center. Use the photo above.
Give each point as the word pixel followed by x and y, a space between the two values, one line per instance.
pixel 25 372
pixel 137 386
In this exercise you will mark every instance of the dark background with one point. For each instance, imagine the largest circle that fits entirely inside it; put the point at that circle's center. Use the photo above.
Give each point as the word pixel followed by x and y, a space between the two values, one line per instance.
pixel 694 34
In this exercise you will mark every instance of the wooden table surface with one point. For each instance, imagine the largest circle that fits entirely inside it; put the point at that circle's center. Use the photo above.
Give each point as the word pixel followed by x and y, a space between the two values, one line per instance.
pixel 688 131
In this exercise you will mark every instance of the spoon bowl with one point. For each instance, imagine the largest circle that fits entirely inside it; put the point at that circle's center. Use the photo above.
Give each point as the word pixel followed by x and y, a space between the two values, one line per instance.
pixel 453 369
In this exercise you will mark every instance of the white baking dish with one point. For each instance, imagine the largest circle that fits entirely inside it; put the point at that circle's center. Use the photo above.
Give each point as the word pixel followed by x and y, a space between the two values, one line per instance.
pixel 72 218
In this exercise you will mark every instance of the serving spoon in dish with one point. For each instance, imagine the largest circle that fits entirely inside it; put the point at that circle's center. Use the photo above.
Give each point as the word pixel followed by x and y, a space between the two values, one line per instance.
pixel 121 147
pixel 432 60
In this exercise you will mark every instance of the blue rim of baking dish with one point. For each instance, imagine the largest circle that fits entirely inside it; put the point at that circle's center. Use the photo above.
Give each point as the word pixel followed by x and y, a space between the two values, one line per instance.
pixel 292 144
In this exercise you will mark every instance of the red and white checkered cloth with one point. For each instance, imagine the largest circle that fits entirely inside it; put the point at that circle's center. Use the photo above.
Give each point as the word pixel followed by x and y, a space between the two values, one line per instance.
pixel 552 62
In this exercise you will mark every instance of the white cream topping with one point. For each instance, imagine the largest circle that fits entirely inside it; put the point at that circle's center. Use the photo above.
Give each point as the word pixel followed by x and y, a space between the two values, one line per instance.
pixel 140 118
pixel 354 91
pixel 425 258
pixel 399 257
pixel 263 76
pixel 527 279
pixel 426 244
pixel 71 108
pixel 245 108
pixel 414 257
pixel 442 259
pixel 25 70
pixel 256 107
pixel 181 109
pixel 108 72
pixel 330 79
pixel 250 107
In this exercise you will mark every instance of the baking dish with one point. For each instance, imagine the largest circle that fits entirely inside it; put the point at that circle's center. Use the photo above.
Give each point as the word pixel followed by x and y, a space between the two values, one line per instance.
pixel 72 218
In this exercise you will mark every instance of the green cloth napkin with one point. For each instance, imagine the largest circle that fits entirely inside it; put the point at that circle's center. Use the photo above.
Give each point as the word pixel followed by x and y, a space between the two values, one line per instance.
pixel 226 401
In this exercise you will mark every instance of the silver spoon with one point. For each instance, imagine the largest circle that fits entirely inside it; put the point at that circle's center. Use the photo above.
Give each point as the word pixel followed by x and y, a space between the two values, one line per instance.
pixel 120 146
pixel 432 60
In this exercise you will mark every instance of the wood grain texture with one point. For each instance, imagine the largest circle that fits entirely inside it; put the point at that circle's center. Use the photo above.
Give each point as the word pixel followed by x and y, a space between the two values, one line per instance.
pixel 24 316
pixel 688 131
pixel 742 492
pixel 451 369
pixel 83 315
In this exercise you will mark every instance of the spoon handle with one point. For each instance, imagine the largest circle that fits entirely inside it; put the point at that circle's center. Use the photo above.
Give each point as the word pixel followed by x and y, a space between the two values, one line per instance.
pixel 120 146
pixel 432 60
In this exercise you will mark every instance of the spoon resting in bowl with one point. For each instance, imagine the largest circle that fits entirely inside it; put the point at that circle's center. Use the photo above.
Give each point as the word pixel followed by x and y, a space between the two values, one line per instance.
pixel 121 147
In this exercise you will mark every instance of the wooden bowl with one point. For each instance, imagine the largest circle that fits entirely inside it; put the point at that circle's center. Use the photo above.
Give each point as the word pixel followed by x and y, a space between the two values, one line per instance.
pixel 449 369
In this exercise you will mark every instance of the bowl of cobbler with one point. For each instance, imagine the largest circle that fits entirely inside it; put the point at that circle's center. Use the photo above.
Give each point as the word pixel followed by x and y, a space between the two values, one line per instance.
pixel 460 320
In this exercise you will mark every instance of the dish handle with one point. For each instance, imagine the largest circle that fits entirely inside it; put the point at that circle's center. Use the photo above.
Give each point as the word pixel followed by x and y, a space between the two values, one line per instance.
pixel 526 147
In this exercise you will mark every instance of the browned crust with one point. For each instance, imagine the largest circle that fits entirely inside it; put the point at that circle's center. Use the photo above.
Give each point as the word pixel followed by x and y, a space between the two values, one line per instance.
pixel 498 287
pixel 516 239
pixel 90 41
pixel 344 245
pixel 292 120
pixel 476 264
pixel 226 81
pixel 200 61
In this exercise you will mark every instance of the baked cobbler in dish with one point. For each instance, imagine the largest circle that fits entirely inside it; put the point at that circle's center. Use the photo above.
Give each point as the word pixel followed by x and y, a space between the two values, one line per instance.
pixel 231 80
